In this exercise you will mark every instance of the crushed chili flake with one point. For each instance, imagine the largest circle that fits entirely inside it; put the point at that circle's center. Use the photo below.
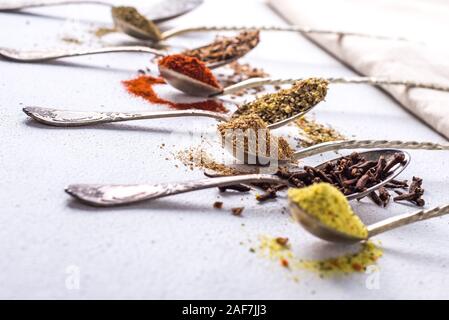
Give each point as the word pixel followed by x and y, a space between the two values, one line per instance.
pixel 237 211
pixel 218 205
pixel 284 263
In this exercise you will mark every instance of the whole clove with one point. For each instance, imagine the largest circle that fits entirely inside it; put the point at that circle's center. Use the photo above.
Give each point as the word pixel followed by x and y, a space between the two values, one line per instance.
pixel 351 174
pixel 414 194
pixel 375 198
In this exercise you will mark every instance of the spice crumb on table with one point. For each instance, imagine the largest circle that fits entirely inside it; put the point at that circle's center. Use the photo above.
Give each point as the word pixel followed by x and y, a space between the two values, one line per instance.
pixel 218 205
pixel 367 255
pixel 237 211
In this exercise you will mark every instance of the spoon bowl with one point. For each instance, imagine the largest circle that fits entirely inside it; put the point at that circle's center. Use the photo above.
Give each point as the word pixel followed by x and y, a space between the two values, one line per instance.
pixel 151 32
pixel 318 229
pixel 170 9
pixel 187 84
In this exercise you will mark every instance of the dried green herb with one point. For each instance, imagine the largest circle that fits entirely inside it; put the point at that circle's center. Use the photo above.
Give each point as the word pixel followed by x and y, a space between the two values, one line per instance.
pixel 131 16
pixel 316 132
pixel 286 103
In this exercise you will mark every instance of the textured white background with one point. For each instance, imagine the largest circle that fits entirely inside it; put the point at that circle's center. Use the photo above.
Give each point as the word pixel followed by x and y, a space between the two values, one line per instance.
pixel 179 247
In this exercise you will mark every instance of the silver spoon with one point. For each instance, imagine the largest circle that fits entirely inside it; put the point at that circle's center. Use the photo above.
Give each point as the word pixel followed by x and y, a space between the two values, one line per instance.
pixel 30 56
pixel 160 12
pixel 201 89
pixel 317 228
pixel 25 56
pixel 292 28
pixel 105 195
pixel 245 157
pixel 120 23
pixel 66 118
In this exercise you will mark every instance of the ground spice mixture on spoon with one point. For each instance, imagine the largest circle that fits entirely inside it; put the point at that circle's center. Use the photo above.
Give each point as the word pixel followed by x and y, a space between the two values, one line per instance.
pixel 286 103
pixel 131 16
pixel 190 67
pixel 261 133
pixel 226 48
pixel 327 204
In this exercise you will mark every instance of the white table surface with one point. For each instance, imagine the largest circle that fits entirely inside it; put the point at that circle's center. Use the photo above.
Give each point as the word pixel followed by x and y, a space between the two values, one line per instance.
pixel 180 247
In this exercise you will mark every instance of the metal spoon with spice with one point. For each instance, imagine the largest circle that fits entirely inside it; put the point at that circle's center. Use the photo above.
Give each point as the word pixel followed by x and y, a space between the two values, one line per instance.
pixel 115 195
pixel 276 109
pixel 220 52
pixel 126 19
pixel 260 157
pixel 205 90
pixel 325 212
pixel 292 28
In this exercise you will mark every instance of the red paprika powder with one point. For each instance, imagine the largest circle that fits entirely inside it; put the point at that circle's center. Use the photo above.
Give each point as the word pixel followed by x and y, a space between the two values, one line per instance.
pixel 142 86
pixel 191 67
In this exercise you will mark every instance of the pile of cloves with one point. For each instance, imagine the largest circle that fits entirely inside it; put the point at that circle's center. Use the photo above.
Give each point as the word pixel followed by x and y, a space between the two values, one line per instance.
pixel 414 194
pixel 352 174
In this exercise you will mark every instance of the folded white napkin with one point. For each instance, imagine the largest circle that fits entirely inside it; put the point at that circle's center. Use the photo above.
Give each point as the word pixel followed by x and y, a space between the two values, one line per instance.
pixel 420 20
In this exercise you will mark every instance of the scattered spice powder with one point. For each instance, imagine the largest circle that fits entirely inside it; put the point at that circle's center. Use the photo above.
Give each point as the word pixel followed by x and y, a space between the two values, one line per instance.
pixel 367 255
pixel 285 103
pixel 251 125
pixel 103 31
pixel 226 48
pixel 316 132
pixel 131 16
pixel 195 157
pixel 142 86
pixel 190 67
pixel 327 204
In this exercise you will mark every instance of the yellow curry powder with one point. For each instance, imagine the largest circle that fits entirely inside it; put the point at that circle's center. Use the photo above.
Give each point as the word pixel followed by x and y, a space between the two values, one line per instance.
pixel 366 255
pixel 330 207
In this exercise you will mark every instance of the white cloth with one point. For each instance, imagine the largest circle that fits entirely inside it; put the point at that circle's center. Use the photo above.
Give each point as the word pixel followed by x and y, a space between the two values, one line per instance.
pixel 420 20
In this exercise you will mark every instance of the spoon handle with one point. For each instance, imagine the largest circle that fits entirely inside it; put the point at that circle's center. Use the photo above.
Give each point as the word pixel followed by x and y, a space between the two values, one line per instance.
pixel 367 144
pixel 40 56
pixel 104 195
pixel 407 218
pixel 292 28
pixel 25 4
pixel 257 82
pixel 65 118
